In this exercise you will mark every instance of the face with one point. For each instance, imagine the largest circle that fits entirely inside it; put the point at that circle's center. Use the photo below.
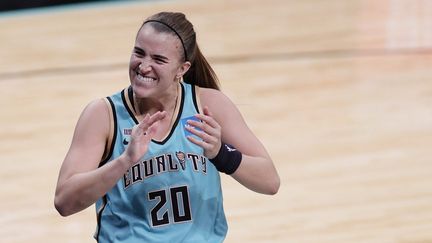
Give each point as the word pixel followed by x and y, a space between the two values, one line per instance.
pixel 156 63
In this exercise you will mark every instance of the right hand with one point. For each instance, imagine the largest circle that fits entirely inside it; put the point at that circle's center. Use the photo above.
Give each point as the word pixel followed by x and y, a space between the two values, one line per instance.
pixel 141 135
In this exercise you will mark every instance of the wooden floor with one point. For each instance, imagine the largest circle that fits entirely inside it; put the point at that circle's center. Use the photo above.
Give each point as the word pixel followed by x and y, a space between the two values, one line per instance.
pixel 340 92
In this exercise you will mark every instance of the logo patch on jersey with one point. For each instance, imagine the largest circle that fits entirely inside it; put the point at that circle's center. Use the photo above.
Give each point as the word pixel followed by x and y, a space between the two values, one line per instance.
pixel 127 131
pixel 181 157
pixel 185 124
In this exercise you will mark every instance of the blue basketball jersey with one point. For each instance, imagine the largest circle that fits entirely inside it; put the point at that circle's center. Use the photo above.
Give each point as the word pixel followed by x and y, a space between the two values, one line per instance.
pixel 173 194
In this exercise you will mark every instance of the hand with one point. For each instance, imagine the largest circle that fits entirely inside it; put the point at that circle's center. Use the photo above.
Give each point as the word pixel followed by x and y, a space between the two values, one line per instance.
pixel 141 135
pixel 210 133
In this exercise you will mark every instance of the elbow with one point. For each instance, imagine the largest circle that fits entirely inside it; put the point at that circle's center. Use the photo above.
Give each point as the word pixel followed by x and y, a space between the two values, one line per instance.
pixel 270 187
pixel 61 207
pixel 272 183
pixel 273 186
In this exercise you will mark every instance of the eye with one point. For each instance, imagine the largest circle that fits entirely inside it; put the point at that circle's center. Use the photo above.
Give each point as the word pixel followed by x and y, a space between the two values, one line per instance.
pixel 138 52
pixel 159 61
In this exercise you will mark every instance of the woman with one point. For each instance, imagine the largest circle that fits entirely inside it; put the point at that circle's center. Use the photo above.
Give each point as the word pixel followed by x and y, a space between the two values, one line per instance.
pixel 150 155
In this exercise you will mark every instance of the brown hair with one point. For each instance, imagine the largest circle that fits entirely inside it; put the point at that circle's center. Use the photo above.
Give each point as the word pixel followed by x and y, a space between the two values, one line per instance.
pixel 200 73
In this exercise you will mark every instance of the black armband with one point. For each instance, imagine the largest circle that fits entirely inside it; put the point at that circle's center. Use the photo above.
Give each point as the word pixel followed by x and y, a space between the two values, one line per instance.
pixel 228 159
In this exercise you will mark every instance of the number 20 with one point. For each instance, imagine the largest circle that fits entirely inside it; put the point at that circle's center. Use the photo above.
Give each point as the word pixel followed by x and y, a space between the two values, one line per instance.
pixel 162 196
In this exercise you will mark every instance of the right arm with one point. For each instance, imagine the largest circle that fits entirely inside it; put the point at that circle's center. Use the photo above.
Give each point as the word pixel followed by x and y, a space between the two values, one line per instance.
pixel 81 182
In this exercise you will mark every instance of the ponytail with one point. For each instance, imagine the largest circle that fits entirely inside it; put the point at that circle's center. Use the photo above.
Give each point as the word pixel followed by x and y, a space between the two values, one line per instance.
pixel 201 73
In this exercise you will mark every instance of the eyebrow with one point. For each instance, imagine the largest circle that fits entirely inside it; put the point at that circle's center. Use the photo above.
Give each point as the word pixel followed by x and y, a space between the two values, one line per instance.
pixel 138 49
pixel 164 58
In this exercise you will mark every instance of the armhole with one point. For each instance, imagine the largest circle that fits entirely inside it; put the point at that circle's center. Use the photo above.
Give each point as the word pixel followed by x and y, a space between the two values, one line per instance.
pixel 109 146
pixel 196 99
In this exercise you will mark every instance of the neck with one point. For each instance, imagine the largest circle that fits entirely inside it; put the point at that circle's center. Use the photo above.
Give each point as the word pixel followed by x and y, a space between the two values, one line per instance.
pixel 167 102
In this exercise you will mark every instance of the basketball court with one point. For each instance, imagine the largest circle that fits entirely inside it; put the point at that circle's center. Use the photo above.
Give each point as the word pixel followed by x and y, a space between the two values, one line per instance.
pixel 339 92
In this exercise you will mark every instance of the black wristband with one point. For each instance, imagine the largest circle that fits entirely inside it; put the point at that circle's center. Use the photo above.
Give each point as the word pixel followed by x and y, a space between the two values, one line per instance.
pixel 228 159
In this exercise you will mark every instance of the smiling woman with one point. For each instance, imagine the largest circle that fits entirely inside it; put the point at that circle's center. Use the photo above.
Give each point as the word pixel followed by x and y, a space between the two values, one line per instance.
pixel 150 155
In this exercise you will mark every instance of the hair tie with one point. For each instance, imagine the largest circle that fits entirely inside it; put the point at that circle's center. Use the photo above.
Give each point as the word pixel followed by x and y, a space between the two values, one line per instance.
pixel 171 28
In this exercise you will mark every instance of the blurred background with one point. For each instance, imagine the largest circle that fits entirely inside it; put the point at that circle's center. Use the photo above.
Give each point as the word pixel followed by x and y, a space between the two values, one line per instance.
pixel 339 92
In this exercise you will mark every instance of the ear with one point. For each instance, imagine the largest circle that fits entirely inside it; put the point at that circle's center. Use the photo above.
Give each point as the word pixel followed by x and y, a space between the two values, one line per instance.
pixel 183 68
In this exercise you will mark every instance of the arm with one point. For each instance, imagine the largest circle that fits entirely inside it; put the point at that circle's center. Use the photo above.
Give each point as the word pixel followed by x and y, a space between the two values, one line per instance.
pixel 225 123
pixel 81 183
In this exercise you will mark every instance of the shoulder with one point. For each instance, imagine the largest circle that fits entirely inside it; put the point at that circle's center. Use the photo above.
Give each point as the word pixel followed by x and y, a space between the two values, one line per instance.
pixel 95 116
pixel 217 102
pixel 97 107
pixel 212 97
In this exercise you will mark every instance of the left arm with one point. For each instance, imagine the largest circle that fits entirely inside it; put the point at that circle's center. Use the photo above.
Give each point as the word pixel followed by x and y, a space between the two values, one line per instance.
pixel 223 122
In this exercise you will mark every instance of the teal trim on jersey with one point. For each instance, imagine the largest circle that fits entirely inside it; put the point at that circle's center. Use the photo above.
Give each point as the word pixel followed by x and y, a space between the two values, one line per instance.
pixel 172 195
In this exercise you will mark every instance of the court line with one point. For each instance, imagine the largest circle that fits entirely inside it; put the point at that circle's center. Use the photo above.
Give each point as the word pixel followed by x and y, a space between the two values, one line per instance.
pixel 325 54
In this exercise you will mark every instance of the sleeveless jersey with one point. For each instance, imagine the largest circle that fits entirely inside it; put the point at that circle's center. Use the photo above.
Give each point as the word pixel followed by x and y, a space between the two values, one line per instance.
pixel 173 194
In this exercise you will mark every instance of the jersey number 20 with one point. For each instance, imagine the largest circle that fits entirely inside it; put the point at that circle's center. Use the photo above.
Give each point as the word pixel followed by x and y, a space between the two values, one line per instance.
pixel 180 212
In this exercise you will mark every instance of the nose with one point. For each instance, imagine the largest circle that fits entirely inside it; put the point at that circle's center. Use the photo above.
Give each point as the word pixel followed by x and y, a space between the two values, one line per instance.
pixel 144 67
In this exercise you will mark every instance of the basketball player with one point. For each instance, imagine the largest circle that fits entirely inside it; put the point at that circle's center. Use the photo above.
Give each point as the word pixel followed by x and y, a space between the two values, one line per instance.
pixel 150 155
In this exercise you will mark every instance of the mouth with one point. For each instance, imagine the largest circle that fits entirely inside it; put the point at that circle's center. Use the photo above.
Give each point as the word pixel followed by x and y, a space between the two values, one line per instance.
pixel 145 79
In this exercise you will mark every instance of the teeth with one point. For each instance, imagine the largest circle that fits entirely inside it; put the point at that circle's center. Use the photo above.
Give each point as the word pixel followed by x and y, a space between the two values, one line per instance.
pixel 145 79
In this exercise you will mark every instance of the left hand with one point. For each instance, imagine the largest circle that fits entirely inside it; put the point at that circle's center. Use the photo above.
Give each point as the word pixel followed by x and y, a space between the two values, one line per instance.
pixel 210 133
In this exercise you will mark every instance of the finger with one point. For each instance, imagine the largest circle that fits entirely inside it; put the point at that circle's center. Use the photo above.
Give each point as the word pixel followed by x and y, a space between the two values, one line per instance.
pixel 150 120
pixel 151 131
pixel 200 143
pixel 157 117
pixel 203 126
pixel 208 120
pixel 203 135
pixel 143 125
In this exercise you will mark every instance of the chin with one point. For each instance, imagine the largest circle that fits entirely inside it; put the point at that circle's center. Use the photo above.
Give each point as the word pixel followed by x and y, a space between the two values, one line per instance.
pixel 142 91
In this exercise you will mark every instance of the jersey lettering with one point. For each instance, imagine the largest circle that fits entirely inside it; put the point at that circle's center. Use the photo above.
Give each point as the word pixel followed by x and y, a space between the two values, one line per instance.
pixel 180 206
pixel 164 163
